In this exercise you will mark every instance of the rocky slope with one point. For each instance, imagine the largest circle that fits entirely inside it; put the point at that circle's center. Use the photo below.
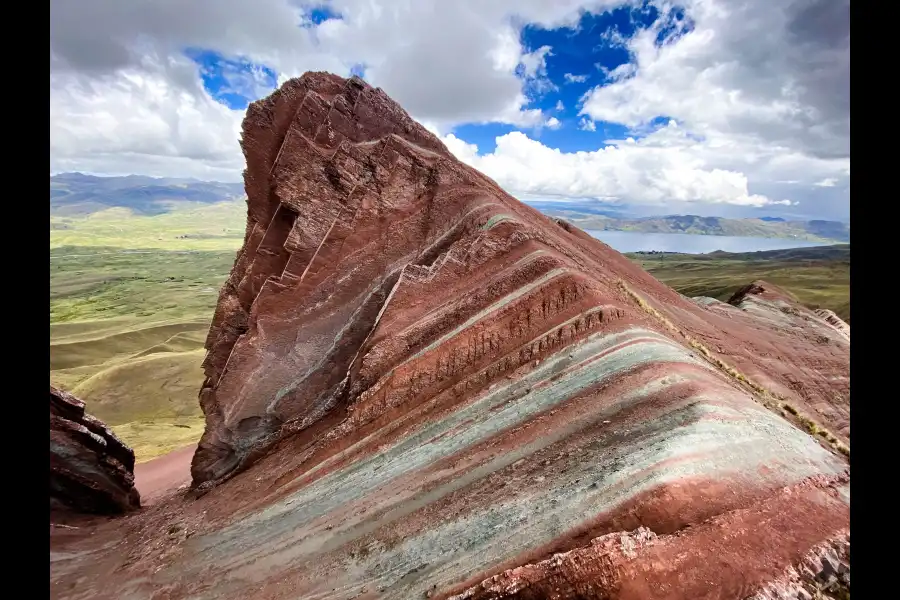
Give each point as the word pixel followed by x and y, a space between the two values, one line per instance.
pixel 91 470
pixel 418 386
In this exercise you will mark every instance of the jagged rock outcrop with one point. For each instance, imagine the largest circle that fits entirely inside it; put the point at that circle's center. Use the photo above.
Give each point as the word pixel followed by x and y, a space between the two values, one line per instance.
pixel 823 574
pixel 771 303
pixel 91 470
pixel 734 549
pixel 835 321
pixel 416 383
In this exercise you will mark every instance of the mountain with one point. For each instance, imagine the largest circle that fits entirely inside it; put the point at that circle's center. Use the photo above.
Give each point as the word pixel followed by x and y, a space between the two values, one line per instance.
pixel 767 227
pixel 73 194
pixel 417 386
pixel 832 230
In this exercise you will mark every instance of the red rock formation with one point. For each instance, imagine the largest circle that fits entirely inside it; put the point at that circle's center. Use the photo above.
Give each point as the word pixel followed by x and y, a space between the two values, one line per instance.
pixel 427 383
pixel 91 470
pixel 835 321
pixel 736 550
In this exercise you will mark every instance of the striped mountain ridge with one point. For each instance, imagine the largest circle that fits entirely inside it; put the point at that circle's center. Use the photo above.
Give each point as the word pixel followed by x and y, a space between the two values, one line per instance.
pixel 417 386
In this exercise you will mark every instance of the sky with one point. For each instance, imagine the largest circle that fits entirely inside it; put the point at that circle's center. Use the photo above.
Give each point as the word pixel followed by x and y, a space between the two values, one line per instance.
pixel 711 107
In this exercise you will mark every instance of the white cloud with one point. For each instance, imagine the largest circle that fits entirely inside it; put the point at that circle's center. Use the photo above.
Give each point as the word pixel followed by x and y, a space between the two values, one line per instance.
pixel 252 82
pixel 140 122
pixel 774 74
pixel 534 70
pixel 575 78
pixel 445 62
pixel 614 38
pixel 534 64
pixel 758 90
pixel 666 167
pixel 464 151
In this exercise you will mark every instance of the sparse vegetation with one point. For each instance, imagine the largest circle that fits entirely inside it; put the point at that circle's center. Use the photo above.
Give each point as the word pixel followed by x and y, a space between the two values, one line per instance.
pixel 150 439
pixel 131 298
pixel 207 227
pixel 127 328
pixel 766 397
pixel 818 277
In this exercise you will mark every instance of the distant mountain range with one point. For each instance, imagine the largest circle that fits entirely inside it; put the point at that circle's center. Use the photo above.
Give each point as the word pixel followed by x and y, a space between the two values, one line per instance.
pixel 74 194
pixel 77 194
pixel 767 227
pixel 835 253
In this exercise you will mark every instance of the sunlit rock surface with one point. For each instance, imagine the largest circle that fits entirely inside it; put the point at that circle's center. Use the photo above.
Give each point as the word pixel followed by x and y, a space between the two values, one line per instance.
pixel 418 386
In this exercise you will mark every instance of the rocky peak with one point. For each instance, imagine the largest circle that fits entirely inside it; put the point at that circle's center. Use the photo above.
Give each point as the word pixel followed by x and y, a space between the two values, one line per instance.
pixel 418 386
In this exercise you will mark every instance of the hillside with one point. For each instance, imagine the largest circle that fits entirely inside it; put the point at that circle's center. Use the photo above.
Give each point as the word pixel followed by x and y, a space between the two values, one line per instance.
pixel 816 231
pixel 87 203
pixel 817 277
pixel 127 328
pixel 118 313
pixel 187 226
pixel 74 194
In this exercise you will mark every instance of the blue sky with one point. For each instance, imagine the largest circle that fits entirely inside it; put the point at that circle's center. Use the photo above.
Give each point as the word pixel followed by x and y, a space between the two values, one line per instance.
pixel 728 107
pixel 235 82
pixel 582 52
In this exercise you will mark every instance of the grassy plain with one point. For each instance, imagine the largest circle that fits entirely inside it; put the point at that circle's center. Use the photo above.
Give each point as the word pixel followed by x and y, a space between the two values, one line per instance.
pixel 131 299
pixel 126 335
pixel 190 226
pixel 819 277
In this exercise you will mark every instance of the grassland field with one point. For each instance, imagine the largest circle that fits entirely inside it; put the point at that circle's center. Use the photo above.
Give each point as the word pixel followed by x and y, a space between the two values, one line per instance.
pixel 131 299
pixel 817 277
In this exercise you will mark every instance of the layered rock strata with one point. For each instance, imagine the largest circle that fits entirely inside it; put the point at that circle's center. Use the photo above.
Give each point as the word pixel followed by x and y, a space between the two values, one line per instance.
pixel 91 470
pixel 416 383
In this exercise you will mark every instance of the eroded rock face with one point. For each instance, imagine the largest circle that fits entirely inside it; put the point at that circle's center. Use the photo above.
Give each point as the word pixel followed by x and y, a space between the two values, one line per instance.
pixel 835 321
pixel 429 385
pixel 641 564
pixel 91 470
pixel 792 352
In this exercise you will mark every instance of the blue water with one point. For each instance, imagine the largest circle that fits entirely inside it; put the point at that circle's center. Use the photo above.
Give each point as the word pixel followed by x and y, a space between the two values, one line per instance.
pixel 687 243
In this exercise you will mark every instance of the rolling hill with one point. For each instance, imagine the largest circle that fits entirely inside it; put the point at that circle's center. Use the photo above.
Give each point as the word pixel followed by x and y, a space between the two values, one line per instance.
pixel 79 194
pixel 817 277
pixel 815 230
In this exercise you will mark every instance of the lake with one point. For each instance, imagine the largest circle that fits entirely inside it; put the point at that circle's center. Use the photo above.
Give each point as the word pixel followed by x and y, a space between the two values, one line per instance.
pixel 687 243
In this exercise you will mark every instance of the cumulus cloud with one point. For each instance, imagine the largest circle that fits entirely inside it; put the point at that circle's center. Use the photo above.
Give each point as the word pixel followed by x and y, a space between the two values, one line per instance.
pixel 142 121
pixel 758 91
pixel 767 73
pixel 667 167
pixel 644 171
pixel 447 63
